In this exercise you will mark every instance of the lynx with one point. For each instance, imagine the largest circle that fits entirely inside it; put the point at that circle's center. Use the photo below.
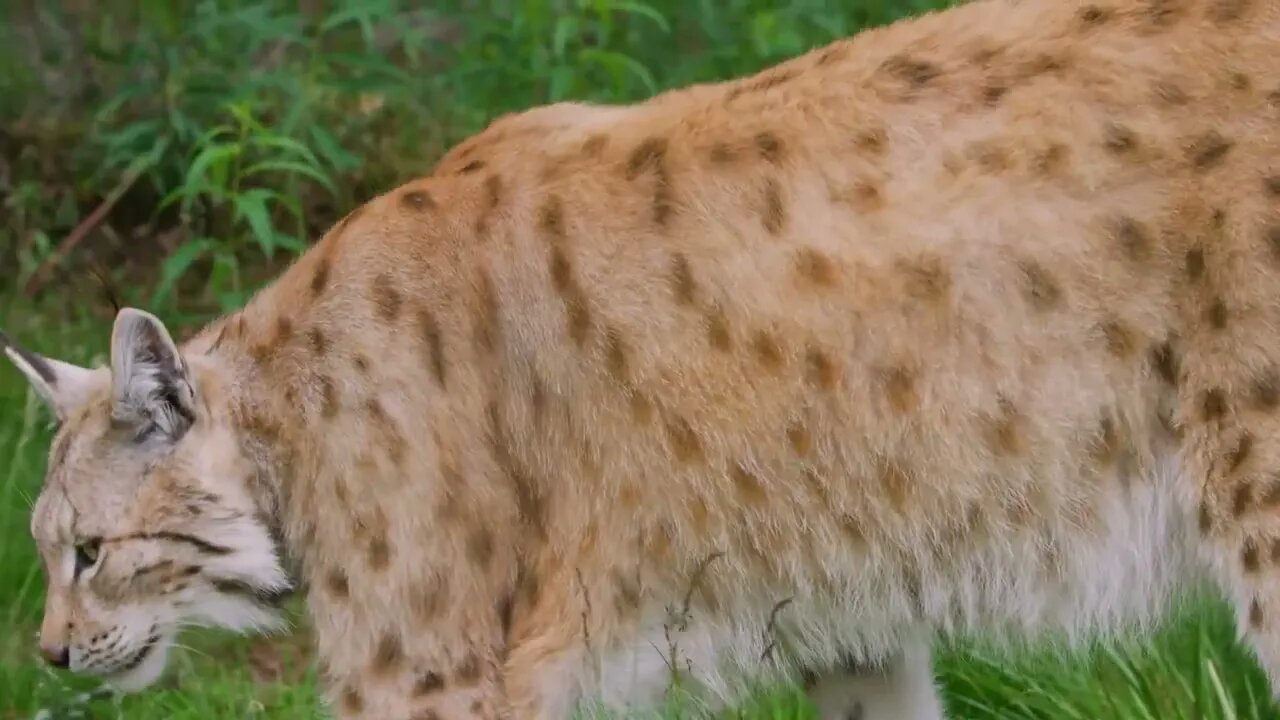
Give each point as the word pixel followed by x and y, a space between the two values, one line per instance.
pixel 965 324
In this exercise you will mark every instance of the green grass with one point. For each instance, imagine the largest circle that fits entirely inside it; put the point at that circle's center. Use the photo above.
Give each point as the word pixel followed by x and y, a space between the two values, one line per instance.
pixel 1190 669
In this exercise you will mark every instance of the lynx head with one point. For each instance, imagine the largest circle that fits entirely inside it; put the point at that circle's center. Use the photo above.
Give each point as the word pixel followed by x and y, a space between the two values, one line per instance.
pixel 145 522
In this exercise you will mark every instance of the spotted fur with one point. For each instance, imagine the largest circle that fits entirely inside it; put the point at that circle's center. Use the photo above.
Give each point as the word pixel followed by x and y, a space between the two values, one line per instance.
pixel 964 324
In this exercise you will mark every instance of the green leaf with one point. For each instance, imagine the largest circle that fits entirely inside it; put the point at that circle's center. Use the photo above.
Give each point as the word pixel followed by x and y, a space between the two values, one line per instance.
pixel 328 147
pixel 251 206
pixel 215 159
pixel 566 27
pixel 286 144
pixel 290 243
pixel 619 65
pixel 637 8
pixel 290 166
pixel 177 264
pixel 224 279
pixel 560 83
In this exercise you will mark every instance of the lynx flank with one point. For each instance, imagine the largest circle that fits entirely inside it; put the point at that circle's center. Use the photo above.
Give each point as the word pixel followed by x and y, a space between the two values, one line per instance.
pixel 966 324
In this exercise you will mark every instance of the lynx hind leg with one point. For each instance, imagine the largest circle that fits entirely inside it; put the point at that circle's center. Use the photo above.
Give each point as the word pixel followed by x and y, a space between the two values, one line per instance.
pixel 901 688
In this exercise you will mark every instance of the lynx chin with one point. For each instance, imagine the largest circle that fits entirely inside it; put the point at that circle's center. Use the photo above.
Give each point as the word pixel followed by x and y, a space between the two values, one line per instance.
pixel 966 324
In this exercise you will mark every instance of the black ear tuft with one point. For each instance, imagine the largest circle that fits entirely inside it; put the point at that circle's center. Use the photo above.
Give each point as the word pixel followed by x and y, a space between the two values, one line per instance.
pixel 62 386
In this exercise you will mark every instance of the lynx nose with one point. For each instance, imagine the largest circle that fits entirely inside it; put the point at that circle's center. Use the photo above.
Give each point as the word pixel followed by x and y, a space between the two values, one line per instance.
pixel 58 656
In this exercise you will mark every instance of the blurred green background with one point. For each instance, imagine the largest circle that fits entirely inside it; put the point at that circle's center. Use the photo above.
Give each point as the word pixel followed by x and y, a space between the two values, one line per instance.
pixel 175 155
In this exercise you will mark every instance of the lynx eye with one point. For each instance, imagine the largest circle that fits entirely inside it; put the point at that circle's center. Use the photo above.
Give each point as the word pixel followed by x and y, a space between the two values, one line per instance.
pixel 87 553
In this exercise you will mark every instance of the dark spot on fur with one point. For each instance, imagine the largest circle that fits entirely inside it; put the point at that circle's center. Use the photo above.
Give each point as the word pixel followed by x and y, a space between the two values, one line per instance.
pixel 648 156
pixel 1107 448
pixel 1271 184
pixel 1225 11
pixel 1272 235
pixel 1092 15
pixel 352 701
pixel 1121 341
pixel 379 555
pixel 916 73
pixel 1161 13
pixel 471 167
pixel 1249 556
pixel 1204 518
pixel 768 351
pixel 873 141
pixel 320 278
pixel 682 282
pixel 435 344
pixel 1195 264
pixel 1217 314
pixel 1170 93
pixel 770 147
pixel 593 145
pixel 927 278
pixel 336 582
pixel 748 485
pixel 561 272
pixel 579 318
pixel 493 197
pixel 388 655
pixel 1132 238
pixel 428 683
pixel 616 354
pixel 1165 362
pixel 470 670
pixel 1119 139
pixel 1006 438
pixel 822 371
pixel 319 343
pixel 684 441
pixel 993 92
pixel 551 219
pixel 1241 499
pixel 1208 150
pixel 900 386
pixel 1237 457
pixel 328 396
pixel 1266 390
pixel 1255 614
pixel 386 297
pixel 774 213
pixel 816 268
pixel 718 330
pixel 284 329
pixel 1041 289
pixel 1213 404
pixel 801 441
pixel 480 547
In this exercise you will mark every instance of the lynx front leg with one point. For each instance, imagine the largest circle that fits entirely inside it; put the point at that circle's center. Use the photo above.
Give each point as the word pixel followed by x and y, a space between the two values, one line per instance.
pixel 546 652
pixel 902 688
pixel 398 650
pixel 394 685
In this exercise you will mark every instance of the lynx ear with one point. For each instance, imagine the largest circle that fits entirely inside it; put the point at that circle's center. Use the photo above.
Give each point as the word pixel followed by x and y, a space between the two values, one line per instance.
pixel 63 386
pixel 151 386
